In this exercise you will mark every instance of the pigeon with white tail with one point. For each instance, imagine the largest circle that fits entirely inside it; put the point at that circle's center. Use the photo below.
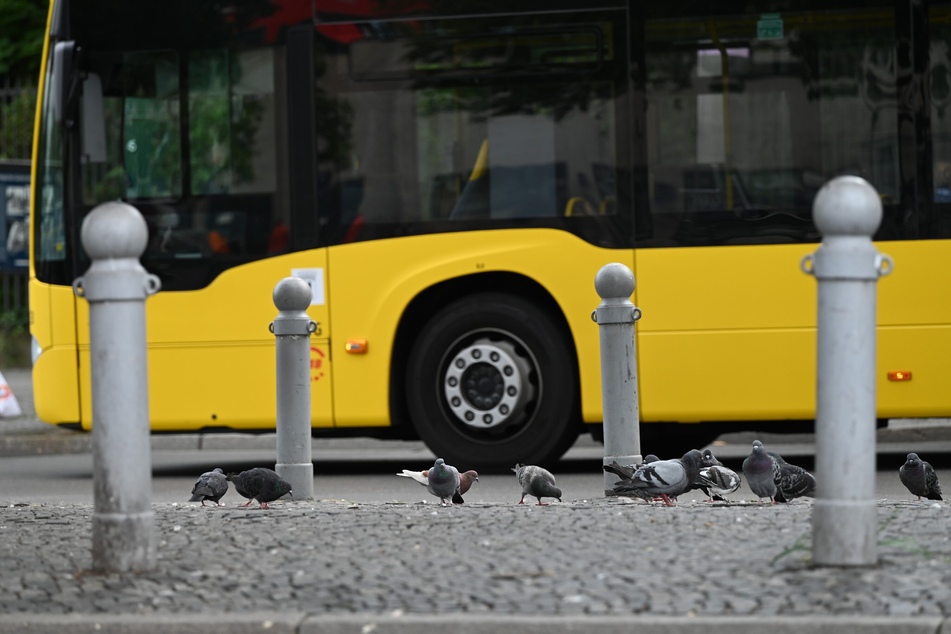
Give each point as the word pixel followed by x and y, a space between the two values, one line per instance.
pixel 466 480
pixel 443 481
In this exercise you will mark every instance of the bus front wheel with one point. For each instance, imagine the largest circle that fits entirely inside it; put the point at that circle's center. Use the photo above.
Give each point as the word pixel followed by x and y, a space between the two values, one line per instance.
pixel 491 382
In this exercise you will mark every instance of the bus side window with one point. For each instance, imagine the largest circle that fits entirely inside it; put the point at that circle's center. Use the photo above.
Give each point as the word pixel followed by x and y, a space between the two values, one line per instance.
pixel 942 182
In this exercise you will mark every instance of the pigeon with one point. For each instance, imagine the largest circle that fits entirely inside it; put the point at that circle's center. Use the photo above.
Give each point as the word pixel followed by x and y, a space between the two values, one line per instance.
pixel 712 472
pixel 716 481
pixel 919 477
pixel 794 482
pixel 466 479
pixel 662 478
pixel 537 482
pixel 260 484
pixel 443 481
pixel 758 469
pixel 211 485
pixel 769 476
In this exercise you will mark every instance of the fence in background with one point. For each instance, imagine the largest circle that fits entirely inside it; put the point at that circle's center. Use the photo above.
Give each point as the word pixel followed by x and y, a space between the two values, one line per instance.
pixel 17 108
pixel 13 291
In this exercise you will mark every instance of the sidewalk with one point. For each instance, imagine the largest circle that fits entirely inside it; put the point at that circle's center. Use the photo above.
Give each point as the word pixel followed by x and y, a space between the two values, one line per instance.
pixel 598 566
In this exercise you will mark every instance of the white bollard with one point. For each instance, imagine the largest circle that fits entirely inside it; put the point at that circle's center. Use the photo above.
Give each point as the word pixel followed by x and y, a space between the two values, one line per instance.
pixel 292 329
pixel 847 211
pixel 114 236
pixel 615 317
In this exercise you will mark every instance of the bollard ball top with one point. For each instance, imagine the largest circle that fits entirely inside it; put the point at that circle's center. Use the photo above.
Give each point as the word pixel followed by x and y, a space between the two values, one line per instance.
pixel 292 293
pixel 847 206
pixel 114 230
pixel 614 280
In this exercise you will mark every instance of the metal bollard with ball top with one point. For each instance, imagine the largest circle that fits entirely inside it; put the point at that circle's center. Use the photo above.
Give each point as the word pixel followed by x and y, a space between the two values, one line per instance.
pixel 615 317
pixel 116 285
pixel 847 211
pixel 292 329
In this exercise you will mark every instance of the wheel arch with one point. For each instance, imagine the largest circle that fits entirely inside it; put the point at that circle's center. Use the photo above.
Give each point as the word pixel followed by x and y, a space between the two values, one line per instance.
pixel 417 313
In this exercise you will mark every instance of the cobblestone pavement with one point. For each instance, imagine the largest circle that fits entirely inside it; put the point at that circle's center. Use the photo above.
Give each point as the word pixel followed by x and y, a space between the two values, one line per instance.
pixel 604 557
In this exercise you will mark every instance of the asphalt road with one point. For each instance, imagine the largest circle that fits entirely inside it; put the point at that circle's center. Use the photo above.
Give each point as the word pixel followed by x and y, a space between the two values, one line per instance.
pixel 68 478
pixel 363 470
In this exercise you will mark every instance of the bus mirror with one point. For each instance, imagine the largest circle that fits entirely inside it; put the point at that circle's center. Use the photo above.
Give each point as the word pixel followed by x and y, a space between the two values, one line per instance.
pixel 94 120
pixel 62 81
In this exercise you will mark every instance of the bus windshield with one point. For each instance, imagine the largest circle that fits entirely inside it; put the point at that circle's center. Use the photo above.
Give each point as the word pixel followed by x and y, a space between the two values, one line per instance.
pixel 420 126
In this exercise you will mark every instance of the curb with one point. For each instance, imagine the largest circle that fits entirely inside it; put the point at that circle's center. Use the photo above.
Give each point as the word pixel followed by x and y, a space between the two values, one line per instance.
pixel 300 623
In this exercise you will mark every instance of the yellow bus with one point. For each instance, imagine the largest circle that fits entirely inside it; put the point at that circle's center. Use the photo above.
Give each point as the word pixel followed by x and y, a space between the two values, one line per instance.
pixel 450 176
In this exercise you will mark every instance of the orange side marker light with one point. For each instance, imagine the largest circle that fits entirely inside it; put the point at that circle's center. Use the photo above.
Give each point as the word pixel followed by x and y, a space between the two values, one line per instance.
pixel 356 346
pixel 899 375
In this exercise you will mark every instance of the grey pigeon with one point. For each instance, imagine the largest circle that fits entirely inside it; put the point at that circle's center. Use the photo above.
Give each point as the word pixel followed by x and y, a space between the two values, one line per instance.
pixel 919 477
pixel 537 482
pixel 466 480
pixel 443 481
pixel 663 478
pixel 769 476
pixel 793 482
pixel 259 484
pixel 717 481
pixel 211 485
pixel 758 470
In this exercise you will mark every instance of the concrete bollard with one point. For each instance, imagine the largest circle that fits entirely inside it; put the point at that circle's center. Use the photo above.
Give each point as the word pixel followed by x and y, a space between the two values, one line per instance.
pixel 292 329
pixel 114 236
pixel 615 317
pixel 847 211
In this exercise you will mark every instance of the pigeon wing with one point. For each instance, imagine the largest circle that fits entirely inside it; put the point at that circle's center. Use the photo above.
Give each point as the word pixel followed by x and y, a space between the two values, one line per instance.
pixel 932 488
pixel 794 482
pixel 718 481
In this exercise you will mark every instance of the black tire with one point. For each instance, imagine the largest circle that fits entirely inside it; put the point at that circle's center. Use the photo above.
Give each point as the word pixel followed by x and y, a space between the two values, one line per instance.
pixel 492 382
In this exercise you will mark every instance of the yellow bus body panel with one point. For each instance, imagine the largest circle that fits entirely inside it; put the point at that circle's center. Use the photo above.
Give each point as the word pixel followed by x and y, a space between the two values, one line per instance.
pixel 55 378
pixel 372 283
pixel 728 333
pixel 211 357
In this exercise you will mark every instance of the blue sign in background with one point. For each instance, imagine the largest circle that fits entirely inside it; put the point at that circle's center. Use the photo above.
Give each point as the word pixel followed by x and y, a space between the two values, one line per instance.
pixel 14 216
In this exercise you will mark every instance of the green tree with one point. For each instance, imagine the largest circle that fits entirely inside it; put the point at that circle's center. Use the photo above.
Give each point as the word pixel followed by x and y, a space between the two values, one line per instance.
pixel 22 23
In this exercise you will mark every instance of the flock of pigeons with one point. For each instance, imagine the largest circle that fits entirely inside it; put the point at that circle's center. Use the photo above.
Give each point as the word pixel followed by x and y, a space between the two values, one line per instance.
pixel 767 474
